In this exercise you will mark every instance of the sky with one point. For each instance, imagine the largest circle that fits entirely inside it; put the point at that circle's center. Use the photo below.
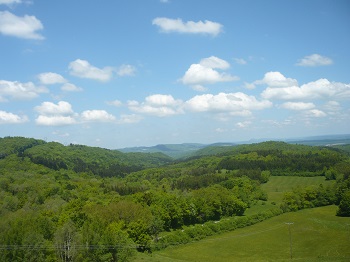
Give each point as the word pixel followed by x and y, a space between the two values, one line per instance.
pixel 123 73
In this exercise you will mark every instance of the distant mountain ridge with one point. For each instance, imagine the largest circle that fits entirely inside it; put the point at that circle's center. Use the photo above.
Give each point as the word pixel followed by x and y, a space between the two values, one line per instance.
pixel 197 149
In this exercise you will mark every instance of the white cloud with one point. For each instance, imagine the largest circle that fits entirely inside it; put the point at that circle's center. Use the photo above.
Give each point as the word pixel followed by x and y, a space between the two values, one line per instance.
pixel 10 2
pixel 21 27
pixel 298 106
pixel 165 1
pixel 214 62
pixel 97 115
pixel 62 114
pixel 276 79
pixel 235 103
pixel 49 108
pixel 129 119
pixel 18 90
pixel 53 120
pixel 51 114
pixel 116 103
pixel 249 85
pixel 68 87
pixel 316 113
pixel 320 89
pixel 168 25
pixel 82 68
pixel 314 60
pixel 10 118
pixel 199 88
pixel 240 61
pixel 332 106
pixel 244 124
pixel 162 100
pixel 204 73
pixel 220 130
pixel 157 105
pixel 126 70
pixel 51 78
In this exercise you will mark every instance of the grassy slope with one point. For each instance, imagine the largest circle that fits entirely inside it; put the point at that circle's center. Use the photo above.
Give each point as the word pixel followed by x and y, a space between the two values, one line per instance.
pixel 317 235
pixel 277 185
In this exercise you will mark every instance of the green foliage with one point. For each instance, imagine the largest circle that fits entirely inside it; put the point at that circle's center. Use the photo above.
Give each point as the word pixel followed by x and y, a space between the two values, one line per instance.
pixel 98 161
pixel 78 203
pixel 344 205
pixel 307 162
pixel 16 145
pixel 317 235
pixel 308 197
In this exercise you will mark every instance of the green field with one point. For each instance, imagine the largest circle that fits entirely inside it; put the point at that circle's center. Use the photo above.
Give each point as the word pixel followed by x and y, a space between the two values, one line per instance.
pixel 277 185
pixel 317 235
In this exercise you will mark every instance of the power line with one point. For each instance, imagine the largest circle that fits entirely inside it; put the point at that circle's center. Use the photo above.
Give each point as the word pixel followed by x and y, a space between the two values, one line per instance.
pixel 290 239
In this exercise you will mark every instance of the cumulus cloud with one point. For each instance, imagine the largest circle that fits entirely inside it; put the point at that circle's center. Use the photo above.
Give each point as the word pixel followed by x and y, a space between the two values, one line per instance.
pixel 205 73
pixel 26 27
pixel 49 108
pixel 249 85
pixel 51 114
pixel 157 105
pixel 168 25
pixel 82 68
pixel 10 118
pixel 314 60
pixel 126 70
pixel 116 103
pixel 243 124
pixel 129 119
pixel 199 88
pixel 298 106
pixel 320 89
pixel 332 107
pixel 223 105
pixel 235 103
pixel 276 79
pixel 214 62
pixel 10 2
pixel 97 115
pixel 50 78
pixel 240 61
pixel 55 120
pixel 68 87
pixel 316 113
pixel 18 90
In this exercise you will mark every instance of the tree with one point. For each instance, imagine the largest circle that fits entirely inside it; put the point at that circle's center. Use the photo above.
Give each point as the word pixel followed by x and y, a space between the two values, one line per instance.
pixel 66 240
pixel 116 246
pixel 344 205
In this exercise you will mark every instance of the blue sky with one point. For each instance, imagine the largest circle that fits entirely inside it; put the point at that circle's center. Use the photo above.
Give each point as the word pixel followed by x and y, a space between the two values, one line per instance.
pixel 126 73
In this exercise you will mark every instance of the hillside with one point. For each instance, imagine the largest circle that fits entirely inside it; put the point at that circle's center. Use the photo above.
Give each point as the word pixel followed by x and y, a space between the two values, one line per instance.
pixel 79 158
pixel 172 150
pixel 187 150
pixel 317 235
pixel 86 203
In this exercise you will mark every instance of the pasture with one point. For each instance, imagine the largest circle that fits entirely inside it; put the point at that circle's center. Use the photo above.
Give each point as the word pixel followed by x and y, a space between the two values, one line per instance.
pixel 316 235
pixel 278 185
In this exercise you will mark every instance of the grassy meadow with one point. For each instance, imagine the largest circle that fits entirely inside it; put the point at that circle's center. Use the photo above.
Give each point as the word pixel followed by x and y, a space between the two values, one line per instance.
pixel 317 235
pixel 278 185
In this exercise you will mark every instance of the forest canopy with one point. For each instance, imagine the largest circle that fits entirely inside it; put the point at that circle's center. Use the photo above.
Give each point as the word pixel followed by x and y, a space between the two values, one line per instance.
pixel 74 202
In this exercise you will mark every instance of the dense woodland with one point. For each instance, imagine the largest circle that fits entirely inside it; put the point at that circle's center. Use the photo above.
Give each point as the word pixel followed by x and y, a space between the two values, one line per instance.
pixel 80 203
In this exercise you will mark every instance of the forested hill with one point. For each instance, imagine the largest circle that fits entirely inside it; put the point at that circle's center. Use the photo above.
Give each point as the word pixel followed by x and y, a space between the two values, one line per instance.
pixel 80 158
pixel 180 151
pixel 80 203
